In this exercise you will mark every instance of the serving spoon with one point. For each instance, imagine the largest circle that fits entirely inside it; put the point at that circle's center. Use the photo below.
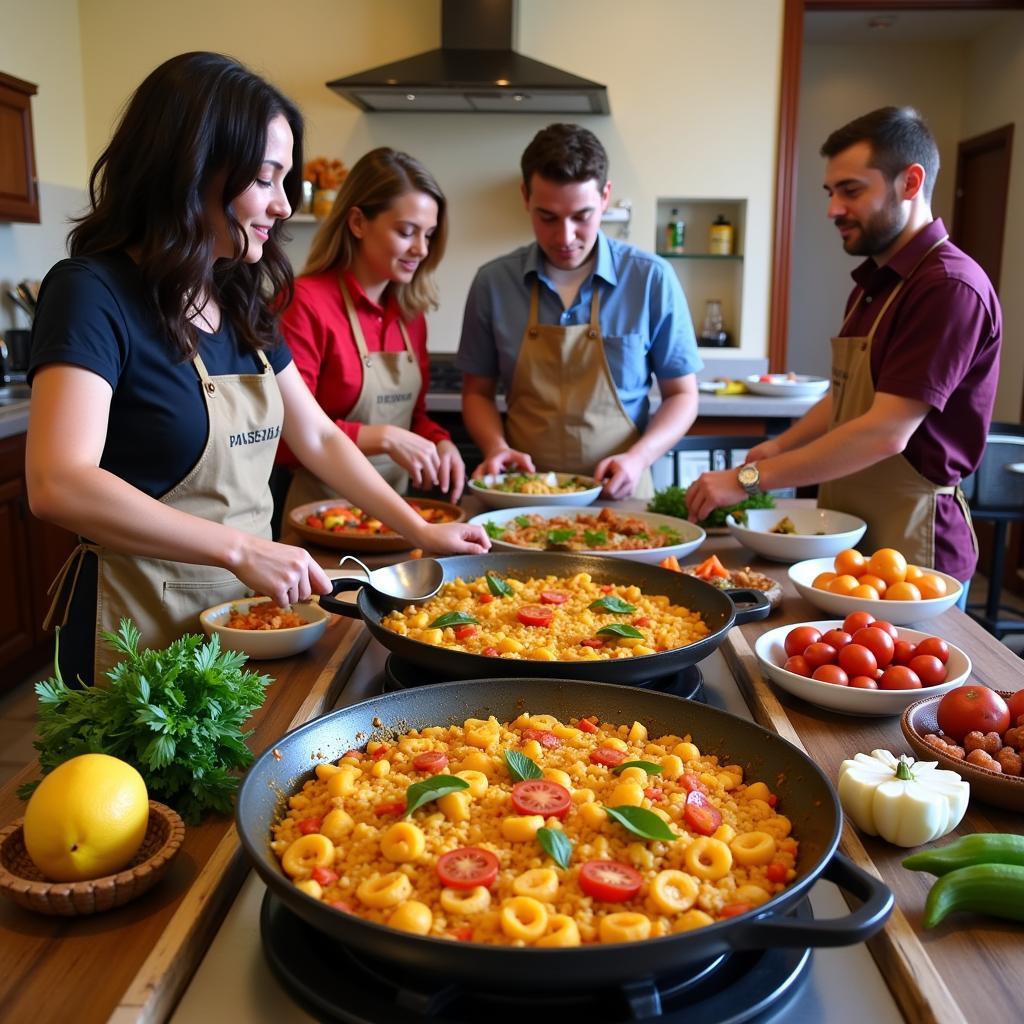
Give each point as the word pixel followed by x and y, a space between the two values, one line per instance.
pixel 404 583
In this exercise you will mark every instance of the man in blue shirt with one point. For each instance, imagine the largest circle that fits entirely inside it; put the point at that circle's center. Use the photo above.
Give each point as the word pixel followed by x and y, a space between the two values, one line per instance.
pixel 575 325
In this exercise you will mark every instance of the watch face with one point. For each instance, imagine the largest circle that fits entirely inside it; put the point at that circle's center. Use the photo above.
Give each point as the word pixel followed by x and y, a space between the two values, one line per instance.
pixel 748 475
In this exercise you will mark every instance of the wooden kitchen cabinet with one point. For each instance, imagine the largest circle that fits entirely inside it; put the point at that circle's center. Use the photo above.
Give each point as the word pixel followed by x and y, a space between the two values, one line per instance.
pixel 19 189
pixel 32 552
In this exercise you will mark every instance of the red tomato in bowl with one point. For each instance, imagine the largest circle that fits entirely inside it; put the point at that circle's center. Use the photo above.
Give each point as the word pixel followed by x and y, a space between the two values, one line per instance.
pixel 970 708
pixel 1016 706
pixel 798 665
pixel 899 677
pixel 831 674
pixel 863 683
pixel 857 620
pixel 934 646
pixel 797 640
pixel 888 627
pixel 930 669
pixel 903 651
pixel 837 638
pixel 858 660
pixel 467 867
pixel 820 654
pixel 610 881
pixel 878 642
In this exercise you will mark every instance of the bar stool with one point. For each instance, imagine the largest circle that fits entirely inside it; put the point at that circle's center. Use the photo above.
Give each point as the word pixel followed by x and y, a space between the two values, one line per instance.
pixel 996 492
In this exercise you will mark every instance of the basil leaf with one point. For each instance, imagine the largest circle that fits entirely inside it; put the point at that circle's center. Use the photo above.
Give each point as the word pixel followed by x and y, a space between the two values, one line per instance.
pixel 521 767
pixel 497 586
pixel 454 619
pixel 560 536
pixel 522 520
pixel 648 766
pixel 642 822
pixel 556 844
pixel 420 793
pixel 622 630
pixel 493 530
pixel 592 538
pixel 612 603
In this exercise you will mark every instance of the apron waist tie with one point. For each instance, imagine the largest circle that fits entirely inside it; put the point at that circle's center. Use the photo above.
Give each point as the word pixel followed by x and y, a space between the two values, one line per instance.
pixel 57 589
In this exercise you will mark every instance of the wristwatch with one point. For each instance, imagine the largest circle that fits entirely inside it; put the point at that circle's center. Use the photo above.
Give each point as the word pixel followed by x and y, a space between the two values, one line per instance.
pixel 750 479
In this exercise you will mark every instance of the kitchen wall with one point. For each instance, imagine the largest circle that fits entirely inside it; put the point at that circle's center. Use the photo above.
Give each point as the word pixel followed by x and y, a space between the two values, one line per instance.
pixel 963 89
pixel 693 91
pixel 40 43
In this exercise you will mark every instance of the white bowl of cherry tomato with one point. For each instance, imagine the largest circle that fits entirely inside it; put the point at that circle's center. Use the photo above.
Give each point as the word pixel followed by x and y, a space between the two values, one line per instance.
pixel 860 665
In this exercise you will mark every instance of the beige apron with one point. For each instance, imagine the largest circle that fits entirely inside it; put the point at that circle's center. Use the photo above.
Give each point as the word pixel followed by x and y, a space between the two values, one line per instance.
pixel 228 484
pixel 892 497
pixel 563 407
pixel 392 382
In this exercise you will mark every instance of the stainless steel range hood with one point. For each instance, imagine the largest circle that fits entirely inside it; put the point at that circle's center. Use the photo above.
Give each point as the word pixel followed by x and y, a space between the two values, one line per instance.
pixel 475 71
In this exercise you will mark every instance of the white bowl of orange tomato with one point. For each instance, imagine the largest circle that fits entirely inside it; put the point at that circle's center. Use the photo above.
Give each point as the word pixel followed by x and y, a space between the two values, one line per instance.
pixel 882 583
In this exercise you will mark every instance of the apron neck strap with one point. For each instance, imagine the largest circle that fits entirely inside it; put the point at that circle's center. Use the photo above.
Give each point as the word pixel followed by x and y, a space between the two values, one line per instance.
pixel 353 322
pixel 197 362
pixel 534 304
pixel 595 305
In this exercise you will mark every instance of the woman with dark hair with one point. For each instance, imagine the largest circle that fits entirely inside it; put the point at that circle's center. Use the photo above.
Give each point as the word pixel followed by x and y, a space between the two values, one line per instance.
pixel 159 388
pixel 357 330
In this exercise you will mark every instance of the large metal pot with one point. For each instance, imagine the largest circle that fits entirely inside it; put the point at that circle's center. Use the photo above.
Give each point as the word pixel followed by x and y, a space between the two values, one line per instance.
pixel 715 606
pixel 805 795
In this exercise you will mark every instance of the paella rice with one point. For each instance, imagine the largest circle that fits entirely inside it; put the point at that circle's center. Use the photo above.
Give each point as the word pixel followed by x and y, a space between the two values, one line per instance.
pixel 552 618
pixel 431 833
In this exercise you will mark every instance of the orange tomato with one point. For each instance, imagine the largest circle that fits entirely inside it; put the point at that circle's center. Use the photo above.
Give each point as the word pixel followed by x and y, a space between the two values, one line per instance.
pixel 845 584
pixel 903 592
pixel 931 586
pixel 889 564
pixel 874 581
pixel 822 580
pixel 865 591
pixel 914 573
pixel 850 563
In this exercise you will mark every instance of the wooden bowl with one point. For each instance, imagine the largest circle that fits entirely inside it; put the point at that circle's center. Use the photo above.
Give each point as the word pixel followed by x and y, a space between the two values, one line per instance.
pixel 22 882
pixel 991 787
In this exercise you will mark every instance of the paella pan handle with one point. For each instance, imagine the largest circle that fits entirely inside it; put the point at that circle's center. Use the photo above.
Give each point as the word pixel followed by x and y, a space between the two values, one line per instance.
pixel 862 923
pixel 755 604
pixel 332 602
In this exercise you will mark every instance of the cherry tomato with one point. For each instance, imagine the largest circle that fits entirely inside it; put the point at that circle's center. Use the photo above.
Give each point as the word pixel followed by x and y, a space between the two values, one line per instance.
pixel 934 646
pixel 325 876
pixel 797 640
pixel 863 683
pixel 929 669
pixel 610 881
pixel 309 825
pixel 1016 706
pixel 432 761
pixel 553 597
pixel 642 621
pixel 831 674
pixel 878 642
pixel 341 905
pixel 888 627
pixel 903 651
pixel 899 677
pixel 607 756
pixel 380 752
pixel 970 708
pixel 857 620
pixel 464 934
pixel 819 654
pixel 607 588
pixel 534 615
pixel 465 632
pixel 799 665
pixel 858 660
pixel 467 867
pixel 592 641
pixel 653 793
pixel 700 814
pixel 776 872
pixel 692 784
pixel 543 737
pixel 490 652
pixel 541 796
pixel 837 638
pixel 586 725
pixel 485 598
pixel 395 807
pixel 734 910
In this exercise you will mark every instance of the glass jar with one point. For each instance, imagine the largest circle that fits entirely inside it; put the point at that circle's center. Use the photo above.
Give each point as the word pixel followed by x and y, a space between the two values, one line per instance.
pixel 713 334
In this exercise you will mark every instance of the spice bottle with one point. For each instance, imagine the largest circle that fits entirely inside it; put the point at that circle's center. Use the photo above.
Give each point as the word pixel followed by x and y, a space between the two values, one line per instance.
pixel 713 334
pixel 675 233
pixel 721 235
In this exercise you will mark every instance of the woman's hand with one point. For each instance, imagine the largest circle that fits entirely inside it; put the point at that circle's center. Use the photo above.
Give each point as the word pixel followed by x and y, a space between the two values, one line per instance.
pixel 416 455
pixel 764 450
pixel 712 490
pixel 502 461
pixel 284 573
pixel 451 470
pixel 455 539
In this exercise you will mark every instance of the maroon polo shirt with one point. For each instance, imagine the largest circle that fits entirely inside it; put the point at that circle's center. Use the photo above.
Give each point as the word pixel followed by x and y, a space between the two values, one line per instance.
pixel 937 343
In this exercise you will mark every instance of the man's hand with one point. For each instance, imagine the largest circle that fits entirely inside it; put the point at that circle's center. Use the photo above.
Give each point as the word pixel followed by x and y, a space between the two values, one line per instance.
pixel 620 474
pixel 451 471
pixel 764 450
pixel 502 461
pixel 710 491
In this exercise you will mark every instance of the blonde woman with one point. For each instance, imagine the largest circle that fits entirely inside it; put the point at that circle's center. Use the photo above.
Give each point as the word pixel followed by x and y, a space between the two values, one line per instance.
pixel 357 330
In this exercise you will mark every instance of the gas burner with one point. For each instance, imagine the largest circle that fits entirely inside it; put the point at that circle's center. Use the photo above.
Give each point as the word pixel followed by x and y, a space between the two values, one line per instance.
pixel 688 682
pixel 332 982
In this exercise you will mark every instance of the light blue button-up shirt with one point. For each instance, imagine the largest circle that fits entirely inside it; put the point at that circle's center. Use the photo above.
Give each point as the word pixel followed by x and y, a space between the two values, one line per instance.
pixel 645 321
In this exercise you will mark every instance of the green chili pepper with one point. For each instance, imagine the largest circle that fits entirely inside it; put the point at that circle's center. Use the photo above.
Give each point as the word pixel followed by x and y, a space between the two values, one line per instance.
pixel 980 848
pixel 993 889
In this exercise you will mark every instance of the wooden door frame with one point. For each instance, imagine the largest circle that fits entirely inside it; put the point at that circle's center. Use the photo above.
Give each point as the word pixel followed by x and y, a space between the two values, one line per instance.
pixel 789 104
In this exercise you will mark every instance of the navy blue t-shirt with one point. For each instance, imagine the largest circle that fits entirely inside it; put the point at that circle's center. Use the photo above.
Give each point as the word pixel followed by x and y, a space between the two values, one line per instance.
pixel 94 313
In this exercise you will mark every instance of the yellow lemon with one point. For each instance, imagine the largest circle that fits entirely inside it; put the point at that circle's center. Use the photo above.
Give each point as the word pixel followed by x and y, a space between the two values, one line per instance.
pixel 87 818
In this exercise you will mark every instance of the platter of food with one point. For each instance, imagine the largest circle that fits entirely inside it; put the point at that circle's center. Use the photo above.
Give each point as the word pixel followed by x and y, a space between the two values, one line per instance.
pixel 514 490
pixel 336 524
pixel 795 534
pixel 712 571
pixel 786 385
pixel 640 536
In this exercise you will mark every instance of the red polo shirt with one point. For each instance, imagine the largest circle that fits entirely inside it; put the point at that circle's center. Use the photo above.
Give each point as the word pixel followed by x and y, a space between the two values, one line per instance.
pixel 937 343
pixel 317 331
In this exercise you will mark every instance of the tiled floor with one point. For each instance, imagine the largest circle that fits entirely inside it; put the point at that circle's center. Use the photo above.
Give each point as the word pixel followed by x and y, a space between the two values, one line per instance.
pixel 18 706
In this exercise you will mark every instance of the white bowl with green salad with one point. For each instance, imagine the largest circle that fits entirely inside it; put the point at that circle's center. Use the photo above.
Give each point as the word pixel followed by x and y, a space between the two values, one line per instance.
pixel 639 536
pixel 516 490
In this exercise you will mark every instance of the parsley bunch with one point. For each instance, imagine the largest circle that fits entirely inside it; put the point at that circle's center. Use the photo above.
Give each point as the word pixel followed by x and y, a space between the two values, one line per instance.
pixel 176 714
pixel 672 502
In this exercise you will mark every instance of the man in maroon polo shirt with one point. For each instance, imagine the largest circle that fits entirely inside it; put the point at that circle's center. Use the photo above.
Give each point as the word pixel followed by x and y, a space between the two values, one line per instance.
pixel 915 363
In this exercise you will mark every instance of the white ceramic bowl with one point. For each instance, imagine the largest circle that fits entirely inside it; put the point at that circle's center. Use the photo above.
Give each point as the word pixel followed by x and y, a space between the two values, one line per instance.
pixel 262 644
pixel 780 385
pixel 507 499
pixel 899 613
pixel 771 655
pixel 820 532
pixel 693 535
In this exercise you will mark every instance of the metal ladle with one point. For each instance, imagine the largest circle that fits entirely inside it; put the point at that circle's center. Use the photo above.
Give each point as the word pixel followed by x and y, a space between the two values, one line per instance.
pixel 404 583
